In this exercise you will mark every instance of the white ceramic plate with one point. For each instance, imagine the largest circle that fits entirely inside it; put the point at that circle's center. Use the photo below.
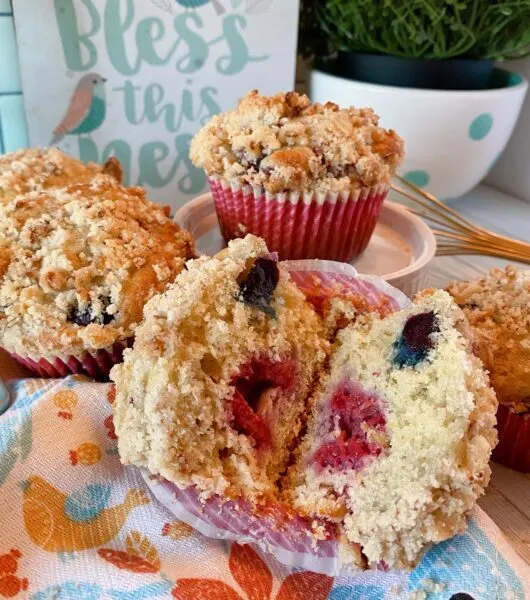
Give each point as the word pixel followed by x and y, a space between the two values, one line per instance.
pixel 399 252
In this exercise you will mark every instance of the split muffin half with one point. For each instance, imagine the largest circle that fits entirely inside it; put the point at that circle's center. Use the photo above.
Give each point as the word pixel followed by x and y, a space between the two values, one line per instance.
pixel 213 394
pixel 401 432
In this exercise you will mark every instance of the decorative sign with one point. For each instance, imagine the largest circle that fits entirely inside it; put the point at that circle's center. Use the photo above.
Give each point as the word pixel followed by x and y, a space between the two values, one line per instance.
pixel 137 78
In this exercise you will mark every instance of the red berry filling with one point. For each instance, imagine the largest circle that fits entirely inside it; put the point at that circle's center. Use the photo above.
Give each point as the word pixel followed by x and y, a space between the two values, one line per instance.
pixel 356 412
pixel 255 377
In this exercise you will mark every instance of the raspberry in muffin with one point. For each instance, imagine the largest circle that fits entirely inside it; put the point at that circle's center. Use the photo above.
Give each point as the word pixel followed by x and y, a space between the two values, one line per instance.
pixel 401 432
pixel 213 392
pixel 77 265
pixel 498 309
pixel 38 169
pixel 309 178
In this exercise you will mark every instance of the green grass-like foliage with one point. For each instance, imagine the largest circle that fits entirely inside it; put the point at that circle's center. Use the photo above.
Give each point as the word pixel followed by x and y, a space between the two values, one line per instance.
pixel 433 29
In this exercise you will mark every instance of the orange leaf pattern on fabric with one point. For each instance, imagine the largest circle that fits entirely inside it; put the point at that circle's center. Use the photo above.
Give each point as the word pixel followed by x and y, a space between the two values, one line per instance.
pixel 111 394
pixel 250 572
pixel 109 426
pixel 177 530
pixel 139 545
pixel 11 585
pixel 305 585
pixel 66 400
pixel 203 589
pixel 9 562
pixel 86 454
pixel 129 562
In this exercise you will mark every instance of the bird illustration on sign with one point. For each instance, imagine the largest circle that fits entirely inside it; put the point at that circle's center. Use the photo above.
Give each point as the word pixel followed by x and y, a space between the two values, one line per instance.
pixel 86 111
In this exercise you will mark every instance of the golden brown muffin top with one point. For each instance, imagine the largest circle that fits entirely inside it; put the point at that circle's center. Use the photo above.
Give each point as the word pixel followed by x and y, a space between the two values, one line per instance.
pixel 77 265
pixel 498 308
pixel 38 169
pixel 285 143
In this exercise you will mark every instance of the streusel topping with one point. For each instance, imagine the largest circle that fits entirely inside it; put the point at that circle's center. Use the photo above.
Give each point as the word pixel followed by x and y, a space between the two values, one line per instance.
pixel 37 169
pixel 285 143
pixel 498 308
pixel 77 265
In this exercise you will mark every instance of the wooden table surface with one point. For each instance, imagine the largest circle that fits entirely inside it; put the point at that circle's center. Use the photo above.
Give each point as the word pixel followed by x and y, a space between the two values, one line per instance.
pixel 507 499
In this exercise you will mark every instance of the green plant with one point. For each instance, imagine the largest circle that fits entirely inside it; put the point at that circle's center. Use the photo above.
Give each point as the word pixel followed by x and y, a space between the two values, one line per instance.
pixel 433 29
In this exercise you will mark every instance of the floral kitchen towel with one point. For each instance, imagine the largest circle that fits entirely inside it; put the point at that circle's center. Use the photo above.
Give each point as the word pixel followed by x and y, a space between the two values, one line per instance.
pixel 76 525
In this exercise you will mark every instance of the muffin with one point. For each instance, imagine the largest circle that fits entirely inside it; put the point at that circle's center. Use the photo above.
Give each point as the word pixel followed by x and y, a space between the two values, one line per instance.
pixel 38 169
pixel 498 309
pixel 77 265
pixel 213 392
pixel 400 434
pixel 309 179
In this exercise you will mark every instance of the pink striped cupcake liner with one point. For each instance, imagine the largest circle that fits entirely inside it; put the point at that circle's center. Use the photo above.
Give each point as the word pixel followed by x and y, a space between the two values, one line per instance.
pixel 513 449
pixel 96 365
pixel 274 528
pixel 300 226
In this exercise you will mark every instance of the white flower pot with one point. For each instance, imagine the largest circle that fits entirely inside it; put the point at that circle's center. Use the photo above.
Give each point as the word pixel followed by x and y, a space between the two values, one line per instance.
pixel 452 138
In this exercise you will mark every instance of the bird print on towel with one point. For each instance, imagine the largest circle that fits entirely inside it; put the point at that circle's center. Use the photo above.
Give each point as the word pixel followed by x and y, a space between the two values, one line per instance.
pixel 219 8
pixel 15 444
pixel 86 111
pixel 57 522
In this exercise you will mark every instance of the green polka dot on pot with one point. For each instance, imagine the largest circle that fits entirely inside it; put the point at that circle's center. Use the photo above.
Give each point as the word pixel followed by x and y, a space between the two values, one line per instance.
pixel 480 126
pixel 418 177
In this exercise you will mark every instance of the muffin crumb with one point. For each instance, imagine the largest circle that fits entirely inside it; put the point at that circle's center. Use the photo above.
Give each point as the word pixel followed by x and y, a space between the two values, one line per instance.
pixel 400 434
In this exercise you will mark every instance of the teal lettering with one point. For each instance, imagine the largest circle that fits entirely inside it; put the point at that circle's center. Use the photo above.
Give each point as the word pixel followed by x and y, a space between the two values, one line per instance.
pixel 194 179
pixel 197 52
pixel 119 18
pixel 186 110
pixel 129 101
pixel 149 31
pixel 154 94
pixel 72 40
pixel 88 152
pixel 173 116
pixel 209 103
pixel 115 27
pixel 150 155
pixel 239 55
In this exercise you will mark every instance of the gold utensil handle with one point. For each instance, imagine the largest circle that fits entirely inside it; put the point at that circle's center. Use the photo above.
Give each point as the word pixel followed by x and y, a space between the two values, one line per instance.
pixel 456 234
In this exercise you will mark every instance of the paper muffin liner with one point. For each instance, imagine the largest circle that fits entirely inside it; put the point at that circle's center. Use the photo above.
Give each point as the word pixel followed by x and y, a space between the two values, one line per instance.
pixel 513 449
pixel 274 528
pixel 96 365
pixel 331 226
